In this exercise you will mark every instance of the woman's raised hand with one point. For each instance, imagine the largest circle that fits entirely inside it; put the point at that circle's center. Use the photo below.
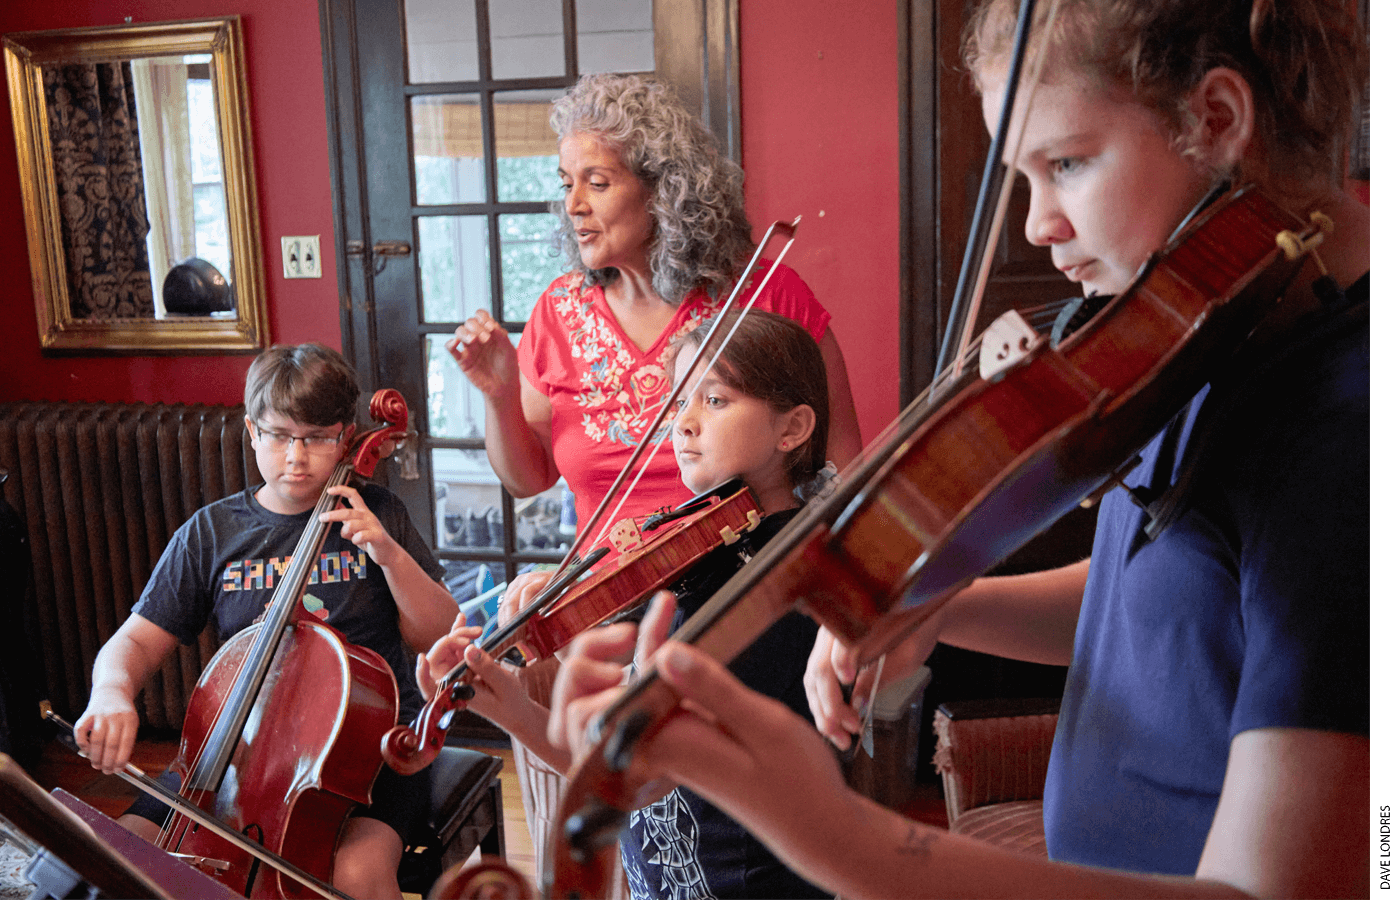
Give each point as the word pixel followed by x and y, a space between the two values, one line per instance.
pixel 484 353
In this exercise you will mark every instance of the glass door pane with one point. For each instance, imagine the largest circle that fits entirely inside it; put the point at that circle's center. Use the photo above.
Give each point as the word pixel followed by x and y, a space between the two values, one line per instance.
pixel 441 40
pixel 527 39
pixel 449 164
pixel 615 36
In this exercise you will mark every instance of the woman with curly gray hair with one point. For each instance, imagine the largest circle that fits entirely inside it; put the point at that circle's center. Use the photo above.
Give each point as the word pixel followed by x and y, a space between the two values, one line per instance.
pixel 654 232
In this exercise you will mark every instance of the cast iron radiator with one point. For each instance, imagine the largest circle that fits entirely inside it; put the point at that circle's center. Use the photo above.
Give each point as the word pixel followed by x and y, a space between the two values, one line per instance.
pixel 101 487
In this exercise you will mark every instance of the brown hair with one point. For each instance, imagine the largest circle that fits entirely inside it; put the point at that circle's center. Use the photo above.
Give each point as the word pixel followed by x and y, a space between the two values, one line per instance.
pixel 773 359
pixel 310 383
pixel 1305 61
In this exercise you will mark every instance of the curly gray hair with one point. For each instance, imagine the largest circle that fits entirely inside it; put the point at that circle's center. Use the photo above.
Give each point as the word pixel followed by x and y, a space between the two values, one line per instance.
pixel 701 235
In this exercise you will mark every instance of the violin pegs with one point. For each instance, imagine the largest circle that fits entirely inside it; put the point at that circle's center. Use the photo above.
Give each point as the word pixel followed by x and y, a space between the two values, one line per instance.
pixel 591 829
pixel 623 740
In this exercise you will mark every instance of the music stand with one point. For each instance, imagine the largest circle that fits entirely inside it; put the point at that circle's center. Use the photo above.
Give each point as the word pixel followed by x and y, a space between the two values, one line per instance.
pixel 108 857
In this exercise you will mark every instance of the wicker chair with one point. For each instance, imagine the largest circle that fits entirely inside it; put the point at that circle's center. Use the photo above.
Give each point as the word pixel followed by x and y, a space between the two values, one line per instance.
pixel 993 756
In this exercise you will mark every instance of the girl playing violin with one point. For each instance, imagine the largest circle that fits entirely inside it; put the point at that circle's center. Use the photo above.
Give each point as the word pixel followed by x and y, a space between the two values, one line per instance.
pixel 760 414
pixel 1213 738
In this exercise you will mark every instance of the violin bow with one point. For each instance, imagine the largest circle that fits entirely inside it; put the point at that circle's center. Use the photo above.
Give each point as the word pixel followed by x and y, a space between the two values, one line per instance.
pixel 790 229
pixel 145 783
pixel 977 256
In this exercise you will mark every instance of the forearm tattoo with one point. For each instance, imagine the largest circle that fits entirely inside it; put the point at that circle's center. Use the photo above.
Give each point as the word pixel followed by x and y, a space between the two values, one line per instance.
pixel 918 842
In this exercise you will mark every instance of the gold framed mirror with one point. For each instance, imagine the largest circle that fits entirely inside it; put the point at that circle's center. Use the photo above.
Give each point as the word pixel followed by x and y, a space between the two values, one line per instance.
pixel 136 169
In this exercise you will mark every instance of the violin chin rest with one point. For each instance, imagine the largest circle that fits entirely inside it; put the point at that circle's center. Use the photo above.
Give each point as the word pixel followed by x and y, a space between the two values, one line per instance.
pixel 591 829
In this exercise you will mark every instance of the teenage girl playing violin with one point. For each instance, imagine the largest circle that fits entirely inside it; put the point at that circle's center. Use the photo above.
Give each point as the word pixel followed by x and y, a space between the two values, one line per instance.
pixel 761 415
pixel 1214 734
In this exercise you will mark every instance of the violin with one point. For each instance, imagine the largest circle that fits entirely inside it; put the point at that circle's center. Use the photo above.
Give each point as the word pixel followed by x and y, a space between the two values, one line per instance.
pixel 965 478
pixel 407 749
pixel 619 583
pixel 491 878
pixel 269 759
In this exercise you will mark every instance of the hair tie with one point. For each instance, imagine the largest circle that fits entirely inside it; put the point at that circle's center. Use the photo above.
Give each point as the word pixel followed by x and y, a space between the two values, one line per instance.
pixel 820 485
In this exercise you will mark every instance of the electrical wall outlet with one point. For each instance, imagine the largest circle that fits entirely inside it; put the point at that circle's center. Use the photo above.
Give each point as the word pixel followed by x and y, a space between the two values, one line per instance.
pixel 301 256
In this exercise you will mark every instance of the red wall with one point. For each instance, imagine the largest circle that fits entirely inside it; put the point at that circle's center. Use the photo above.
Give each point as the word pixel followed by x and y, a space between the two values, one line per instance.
pixel 282 42
pixel 820 118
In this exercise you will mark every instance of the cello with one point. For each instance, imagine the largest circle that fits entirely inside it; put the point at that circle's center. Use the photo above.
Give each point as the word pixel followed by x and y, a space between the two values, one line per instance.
pixel 274 763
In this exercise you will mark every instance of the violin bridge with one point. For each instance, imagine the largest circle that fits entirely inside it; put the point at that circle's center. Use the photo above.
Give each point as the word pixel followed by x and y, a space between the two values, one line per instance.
pixel 1005 342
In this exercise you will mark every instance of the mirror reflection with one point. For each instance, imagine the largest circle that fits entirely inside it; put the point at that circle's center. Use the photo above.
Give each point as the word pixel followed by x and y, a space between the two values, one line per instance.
pixel 138 188
pixel 135 148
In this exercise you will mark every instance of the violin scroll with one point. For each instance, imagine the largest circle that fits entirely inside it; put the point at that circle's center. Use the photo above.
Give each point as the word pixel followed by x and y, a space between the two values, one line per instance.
pixel 490 879
pixel 409 748
pixel 616 584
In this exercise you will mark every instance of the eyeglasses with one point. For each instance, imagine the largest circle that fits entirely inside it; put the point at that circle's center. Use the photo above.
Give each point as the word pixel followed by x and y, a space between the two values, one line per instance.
pixel 276 440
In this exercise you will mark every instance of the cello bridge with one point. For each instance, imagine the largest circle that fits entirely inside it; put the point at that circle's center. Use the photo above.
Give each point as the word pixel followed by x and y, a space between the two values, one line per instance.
pixel 203 862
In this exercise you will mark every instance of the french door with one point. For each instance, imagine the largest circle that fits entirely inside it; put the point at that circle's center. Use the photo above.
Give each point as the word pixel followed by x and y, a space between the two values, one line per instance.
pixel 443 165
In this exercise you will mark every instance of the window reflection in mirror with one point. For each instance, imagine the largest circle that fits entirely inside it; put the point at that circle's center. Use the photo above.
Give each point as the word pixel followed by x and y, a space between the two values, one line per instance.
pixel 183 183
pixel 139 198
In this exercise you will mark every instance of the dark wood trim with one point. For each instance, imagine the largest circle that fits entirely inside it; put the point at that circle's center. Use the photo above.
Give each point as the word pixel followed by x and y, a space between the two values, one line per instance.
pixel 344 127
pixel 700 58
pixel 918 211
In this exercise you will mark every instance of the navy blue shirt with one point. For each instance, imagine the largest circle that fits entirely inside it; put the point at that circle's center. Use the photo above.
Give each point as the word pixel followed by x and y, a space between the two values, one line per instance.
pixel 1250 611
pixel 226 561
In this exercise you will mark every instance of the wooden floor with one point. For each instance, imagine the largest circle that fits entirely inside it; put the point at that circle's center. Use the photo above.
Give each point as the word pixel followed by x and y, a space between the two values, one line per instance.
pixel 59 767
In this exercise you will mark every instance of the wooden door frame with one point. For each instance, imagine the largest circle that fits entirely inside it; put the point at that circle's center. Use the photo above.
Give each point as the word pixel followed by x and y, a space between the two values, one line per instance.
pixel 701 60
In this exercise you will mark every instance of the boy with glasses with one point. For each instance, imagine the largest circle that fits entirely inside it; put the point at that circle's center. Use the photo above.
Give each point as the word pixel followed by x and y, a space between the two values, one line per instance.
pixel 377 582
